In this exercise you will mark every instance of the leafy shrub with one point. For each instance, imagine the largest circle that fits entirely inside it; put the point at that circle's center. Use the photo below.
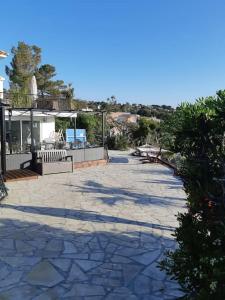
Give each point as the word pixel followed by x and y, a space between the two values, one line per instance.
pixel 118 142
pixel 111 141
pixel 199 261
pixel 122 142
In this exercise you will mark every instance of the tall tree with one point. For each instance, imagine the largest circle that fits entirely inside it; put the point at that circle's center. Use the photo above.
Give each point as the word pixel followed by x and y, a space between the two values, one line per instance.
pixel 45 82
pixel 68 93
pixel 147 131
pixel 24 63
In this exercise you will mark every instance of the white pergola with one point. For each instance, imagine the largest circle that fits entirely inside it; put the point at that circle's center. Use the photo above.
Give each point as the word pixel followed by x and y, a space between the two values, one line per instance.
pixel 10 113
pixel 39 113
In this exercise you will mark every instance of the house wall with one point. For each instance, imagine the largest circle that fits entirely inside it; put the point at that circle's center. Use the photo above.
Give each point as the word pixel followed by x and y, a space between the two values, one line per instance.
pixel 47 126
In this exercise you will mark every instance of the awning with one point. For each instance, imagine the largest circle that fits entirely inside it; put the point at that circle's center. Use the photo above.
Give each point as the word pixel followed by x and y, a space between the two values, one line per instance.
pixel 40 113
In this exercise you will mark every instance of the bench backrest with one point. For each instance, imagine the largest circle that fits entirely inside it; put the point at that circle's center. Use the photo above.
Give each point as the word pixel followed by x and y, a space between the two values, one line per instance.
pixel 51 155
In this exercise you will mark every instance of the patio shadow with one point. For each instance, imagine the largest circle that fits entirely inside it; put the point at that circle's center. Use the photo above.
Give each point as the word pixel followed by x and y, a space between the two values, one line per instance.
pixel 82 215
pixel 171 184
pixel 112 195
pixel 119 160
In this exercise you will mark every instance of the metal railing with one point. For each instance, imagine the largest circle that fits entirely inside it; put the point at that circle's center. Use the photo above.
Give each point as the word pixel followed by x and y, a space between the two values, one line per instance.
pixel 18 100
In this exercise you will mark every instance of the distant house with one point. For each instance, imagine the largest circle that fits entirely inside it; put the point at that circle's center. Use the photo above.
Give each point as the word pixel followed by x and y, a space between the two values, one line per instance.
pixel 87 109
pixel 121 117
pixel 118 121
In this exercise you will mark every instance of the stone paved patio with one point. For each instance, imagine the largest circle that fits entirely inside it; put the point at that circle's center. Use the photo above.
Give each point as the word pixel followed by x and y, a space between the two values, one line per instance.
pixel 94 234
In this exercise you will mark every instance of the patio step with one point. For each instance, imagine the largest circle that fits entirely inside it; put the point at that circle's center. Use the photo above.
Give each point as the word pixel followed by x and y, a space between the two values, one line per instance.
pixel 17 175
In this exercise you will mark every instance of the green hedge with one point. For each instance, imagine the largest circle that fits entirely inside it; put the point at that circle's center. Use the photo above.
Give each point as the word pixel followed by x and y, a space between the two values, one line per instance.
pixel 199 261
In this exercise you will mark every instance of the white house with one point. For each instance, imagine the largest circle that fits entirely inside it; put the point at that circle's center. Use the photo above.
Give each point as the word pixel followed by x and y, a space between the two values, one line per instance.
pixel 20 133
pixel 18 128
pixel 3 54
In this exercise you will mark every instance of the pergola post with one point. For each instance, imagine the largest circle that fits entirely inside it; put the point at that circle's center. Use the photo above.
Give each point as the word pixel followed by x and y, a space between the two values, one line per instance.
pixel 3 139
pixel 32 131
pixel 103 129
pixel 75 130
pixel 10 131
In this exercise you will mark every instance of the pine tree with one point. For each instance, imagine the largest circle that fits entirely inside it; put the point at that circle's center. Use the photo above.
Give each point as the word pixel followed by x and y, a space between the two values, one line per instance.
pixel 45 83
pixel 24 63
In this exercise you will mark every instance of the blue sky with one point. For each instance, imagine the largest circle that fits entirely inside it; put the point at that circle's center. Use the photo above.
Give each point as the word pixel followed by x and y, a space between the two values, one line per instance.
pixel 145 51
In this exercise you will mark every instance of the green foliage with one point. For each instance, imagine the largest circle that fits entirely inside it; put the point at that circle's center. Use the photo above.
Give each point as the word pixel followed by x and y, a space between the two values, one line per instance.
pixel 92 124
pixel 46 85
pixel 63 124
pixel 150 111
pixel 20 98
pixel 119 142
pixel 148 131
pixel 129 134
pixel 78 104
pixel 168 126
pixel 68 93
pixel 24 63
pixel 111 142
pixel 198 264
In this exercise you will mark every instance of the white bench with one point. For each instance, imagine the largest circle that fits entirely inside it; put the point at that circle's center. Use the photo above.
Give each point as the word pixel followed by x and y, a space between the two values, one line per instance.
pixel 53 162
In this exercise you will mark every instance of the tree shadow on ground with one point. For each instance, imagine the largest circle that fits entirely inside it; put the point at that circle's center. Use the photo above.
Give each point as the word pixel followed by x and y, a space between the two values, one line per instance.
pixel 82 215
pixel 112 196
pixel 157 170
pixel 119 160
pixel 171 184
pixel 38 260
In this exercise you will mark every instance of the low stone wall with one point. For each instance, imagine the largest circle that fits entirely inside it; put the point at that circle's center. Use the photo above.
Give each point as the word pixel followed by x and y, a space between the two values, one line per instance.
pixel 18 161
pixel 81 158
pixel 91 163
pixel 89 154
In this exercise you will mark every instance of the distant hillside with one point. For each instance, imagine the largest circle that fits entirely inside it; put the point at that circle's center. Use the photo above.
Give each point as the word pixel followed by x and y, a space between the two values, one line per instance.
pixel 111 105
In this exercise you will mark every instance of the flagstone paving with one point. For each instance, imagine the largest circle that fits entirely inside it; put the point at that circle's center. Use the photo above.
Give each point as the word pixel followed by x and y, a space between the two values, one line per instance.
pixel 95 234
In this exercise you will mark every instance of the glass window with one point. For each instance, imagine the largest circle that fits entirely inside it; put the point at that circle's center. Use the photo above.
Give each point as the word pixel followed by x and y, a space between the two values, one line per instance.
pixel 26 135
pixel 15 136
